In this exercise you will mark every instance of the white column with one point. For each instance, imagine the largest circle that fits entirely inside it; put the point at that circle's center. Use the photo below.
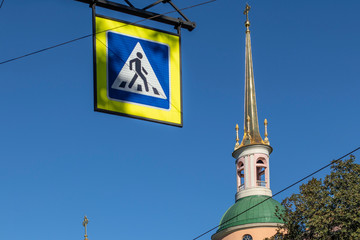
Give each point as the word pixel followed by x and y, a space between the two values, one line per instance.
pixel 237 177
pixel 252 171
pixel 247 172
pixel 268 173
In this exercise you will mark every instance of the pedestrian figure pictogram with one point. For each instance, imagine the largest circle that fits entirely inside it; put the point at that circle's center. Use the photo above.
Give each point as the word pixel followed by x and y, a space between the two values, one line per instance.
pixel 138 76
pixel 138 71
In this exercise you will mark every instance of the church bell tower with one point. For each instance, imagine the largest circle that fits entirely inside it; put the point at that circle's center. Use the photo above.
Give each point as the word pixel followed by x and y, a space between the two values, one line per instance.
pixel 252 154
pixel 252 157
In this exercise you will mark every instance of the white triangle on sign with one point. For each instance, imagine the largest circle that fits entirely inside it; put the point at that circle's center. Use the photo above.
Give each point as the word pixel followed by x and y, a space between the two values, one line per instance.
pixel 138 76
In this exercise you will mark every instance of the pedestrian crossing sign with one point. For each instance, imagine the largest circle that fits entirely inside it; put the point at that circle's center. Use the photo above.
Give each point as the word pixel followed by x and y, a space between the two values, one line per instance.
pixel 137 71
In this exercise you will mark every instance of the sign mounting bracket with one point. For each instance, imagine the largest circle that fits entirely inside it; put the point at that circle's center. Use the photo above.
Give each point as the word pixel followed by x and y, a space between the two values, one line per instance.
pixel 183 22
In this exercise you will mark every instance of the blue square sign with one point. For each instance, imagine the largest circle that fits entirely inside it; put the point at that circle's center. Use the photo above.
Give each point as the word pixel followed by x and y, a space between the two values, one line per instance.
pixel 138 70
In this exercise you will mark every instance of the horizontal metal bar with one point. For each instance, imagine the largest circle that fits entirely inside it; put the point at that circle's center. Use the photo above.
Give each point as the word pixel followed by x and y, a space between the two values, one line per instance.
pixel 142 13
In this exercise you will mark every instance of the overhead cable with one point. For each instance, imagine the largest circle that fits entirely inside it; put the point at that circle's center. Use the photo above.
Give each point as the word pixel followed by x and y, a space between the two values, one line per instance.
pixel 89 35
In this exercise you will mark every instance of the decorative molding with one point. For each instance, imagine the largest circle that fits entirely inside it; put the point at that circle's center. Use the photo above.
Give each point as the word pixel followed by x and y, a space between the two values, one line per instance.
pixel 251 149
pixel 253 191
pixel 227 231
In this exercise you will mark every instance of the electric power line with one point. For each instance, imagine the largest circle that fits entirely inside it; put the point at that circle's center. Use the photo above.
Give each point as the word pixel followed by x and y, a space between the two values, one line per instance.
pixel 89 35
pixel 2 3
pixel 284 189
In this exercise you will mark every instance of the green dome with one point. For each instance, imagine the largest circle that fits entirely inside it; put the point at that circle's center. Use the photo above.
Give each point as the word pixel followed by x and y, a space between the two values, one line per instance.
pixel 262 213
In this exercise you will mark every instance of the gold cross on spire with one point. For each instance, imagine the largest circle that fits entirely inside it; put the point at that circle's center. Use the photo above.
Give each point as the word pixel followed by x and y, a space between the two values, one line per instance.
pixel 85 223
pixel 246 12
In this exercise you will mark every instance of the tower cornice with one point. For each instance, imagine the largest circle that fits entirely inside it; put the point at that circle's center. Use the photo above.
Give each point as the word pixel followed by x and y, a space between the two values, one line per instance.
pixel 266 149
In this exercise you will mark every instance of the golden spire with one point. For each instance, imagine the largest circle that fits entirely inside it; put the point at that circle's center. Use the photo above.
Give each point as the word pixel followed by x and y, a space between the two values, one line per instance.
pixel 251 124
pixel 85 223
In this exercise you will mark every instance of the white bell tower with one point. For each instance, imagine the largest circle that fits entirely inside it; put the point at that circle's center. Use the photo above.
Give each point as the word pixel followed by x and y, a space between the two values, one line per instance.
pixel 252 154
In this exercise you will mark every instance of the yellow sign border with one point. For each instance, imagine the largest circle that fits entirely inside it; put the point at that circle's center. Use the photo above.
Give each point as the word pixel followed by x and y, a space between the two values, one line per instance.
pixel 173 116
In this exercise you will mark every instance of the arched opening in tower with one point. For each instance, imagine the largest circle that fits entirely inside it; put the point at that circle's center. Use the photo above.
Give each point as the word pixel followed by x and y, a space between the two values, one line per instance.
pixel 241 175
pixel 261 173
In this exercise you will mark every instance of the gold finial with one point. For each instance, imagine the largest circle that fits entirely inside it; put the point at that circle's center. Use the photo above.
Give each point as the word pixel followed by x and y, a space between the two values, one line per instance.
pixel 247 22
pixel 237 135
pixel 266 140
pixel 248 127
pixel 85 223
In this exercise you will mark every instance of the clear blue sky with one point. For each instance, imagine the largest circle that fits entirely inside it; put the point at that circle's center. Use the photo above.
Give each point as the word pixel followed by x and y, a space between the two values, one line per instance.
pixel 60 160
